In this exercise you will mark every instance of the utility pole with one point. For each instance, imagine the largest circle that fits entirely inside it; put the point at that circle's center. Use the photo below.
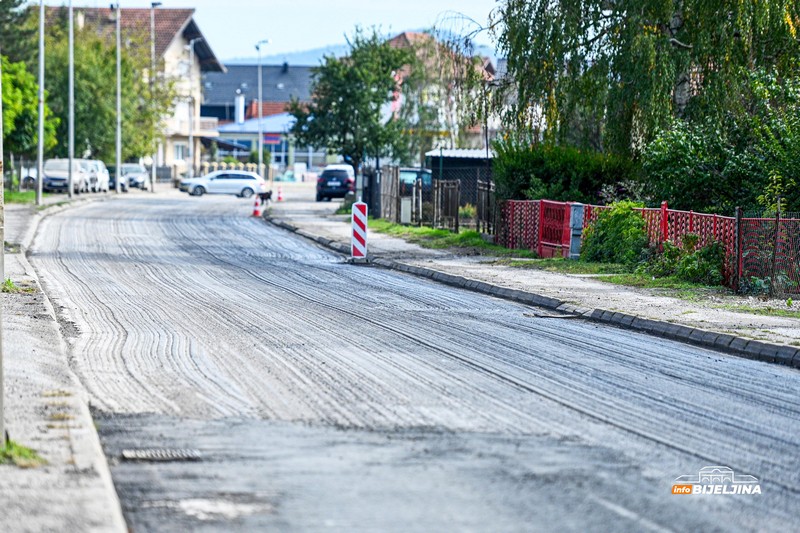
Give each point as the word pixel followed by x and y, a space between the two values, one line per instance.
pixel 153 7
pixel 71 113
pixel 2 260
pixel 40 151
pixel 260 108
pixel 118 171
pixel 190 173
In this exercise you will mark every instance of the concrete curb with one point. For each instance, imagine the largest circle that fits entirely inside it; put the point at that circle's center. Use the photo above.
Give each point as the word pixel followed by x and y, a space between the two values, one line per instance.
pixel 99 461
pixel 730 344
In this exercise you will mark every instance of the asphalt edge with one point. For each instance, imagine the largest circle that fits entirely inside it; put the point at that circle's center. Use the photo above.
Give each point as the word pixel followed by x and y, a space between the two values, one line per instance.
pixel 100 462
pixel 730 344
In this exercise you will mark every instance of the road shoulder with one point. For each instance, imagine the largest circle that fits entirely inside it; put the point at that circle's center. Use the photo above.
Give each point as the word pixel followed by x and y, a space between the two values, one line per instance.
pixel 47 410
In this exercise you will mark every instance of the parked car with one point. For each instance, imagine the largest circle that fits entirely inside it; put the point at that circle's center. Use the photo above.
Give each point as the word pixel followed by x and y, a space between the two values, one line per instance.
pixel 56 176
pixel 137 176
pixel 112 180
pixel 97 173
pixel 409 176
pixel 238 182
pixel 335 182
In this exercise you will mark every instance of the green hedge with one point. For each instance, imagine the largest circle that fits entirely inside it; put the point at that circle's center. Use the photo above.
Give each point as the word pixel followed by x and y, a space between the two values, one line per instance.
pixel 531 171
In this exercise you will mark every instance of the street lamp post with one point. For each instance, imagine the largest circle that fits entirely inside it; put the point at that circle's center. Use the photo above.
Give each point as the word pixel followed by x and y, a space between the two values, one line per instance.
pixel 118 171
pixel 190 173
pixel 2 262
pixel 71 104
pixel 153 6
pixel 260 107
pixel 40 150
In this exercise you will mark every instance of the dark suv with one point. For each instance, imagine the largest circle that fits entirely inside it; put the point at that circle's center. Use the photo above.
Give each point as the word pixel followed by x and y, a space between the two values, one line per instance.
pixel 335 182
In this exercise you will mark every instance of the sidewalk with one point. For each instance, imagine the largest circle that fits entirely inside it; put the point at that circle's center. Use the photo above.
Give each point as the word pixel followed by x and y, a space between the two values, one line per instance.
pixel 707 322
pixel 46 408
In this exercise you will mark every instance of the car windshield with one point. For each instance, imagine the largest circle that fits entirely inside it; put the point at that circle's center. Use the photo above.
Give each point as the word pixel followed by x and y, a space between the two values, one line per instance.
pixel 128 169
pixel 58 164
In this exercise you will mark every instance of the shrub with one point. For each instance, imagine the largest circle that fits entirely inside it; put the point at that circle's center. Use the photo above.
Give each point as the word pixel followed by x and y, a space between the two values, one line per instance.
pixel 688 263
pixel 618 236
pixel 747 155
pixel 703 265
pixel 467 211
pixel 523 169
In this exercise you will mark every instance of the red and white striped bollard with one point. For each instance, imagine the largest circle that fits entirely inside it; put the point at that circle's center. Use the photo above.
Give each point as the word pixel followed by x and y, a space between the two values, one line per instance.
pixel 358 245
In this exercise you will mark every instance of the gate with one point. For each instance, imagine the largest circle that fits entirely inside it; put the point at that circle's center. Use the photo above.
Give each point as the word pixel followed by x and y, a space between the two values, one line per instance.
pixel 486 207
pixel 390 194
pixel 446 194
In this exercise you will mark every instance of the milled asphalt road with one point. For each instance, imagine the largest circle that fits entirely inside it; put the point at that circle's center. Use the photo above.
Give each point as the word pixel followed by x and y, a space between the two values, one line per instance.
pixel 328 396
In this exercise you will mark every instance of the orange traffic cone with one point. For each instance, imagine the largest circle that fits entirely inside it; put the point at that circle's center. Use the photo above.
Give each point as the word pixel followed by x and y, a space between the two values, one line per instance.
pixel 257 208
pixel 280 194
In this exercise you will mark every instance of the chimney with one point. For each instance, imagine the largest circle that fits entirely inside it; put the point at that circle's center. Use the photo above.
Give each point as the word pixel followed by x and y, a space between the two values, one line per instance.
pixel 239 107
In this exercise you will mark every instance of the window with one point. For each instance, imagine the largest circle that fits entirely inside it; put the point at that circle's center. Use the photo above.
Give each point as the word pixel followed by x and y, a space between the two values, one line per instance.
pixel 181 152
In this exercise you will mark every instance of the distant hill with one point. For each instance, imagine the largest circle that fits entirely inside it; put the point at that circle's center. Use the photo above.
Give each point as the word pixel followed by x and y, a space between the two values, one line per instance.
pixel 310 58
pixel 314 57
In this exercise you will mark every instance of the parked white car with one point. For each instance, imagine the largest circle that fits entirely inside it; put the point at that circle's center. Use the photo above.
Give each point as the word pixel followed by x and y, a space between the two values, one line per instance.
pixel 56 172
pixel 238 182
pixel 98 176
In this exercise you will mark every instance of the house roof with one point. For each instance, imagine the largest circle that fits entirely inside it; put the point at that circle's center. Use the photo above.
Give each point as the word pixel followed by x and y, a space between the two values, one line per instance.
pixel 279 83
pixel 274 124
pixel 460 153
pixel 169 24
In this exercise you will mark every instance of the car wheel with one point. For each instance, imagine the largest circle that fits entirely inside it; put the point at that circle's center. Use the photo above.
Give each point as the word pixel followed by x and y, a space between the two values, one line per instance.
pixel 198 191
pixel 319 197
pixel 247 193
pixel 328 198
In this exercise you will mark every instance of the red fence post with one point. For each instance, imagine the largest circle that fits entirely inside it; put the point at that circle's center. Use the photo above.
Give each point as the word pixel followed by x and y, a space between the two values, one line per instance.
pixel 664 222
pixel 541 228
pixel 738 237
pixel 691 221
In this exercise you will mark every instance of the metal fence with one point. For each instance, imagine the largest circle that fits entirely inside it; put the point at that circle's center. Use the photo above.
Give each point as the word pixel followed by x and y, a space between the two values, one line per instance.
pixel 469 179
pixel 762 250
pixel 769 252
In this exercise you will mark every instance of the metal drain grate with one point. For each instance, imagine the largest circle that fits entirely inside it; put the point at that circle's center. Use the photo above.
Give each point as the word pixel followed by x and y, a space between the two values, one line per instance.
pixel 160 455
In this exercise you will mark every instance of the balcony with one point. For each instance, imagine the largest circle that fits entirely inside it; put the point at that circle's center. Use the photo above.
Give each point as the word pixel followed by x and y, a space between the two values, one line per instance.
pixel 203 127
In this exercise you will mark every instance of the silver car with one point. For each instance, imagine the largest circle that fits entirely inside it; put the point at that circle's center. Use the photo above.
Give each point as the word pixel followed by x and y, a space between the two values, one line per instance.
pixel 56 174
pixel 238 182
pixel 137 176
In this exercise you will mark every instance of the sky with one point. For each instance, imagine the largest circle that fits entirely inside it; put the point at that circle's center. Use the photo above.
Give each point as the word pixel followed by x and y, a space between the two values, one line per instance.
pixel 232 27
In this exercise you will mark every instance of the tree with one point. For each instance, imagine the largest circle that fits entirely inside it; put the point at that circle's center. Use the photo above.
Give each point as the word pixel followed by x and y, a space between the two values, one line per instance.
pixel 21 111
pixel 612 74
pixel 95 90
pixel 16 32
pixel 348 112
pixel 437 84
pixel 752 158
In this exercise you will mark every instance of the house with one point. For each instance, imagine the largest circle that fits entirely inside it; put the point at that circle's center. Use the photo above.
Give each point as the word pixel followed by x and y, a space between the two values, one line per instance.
pixel 279 84
pixel 182 55
pixel 232 98
pixel 445 65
